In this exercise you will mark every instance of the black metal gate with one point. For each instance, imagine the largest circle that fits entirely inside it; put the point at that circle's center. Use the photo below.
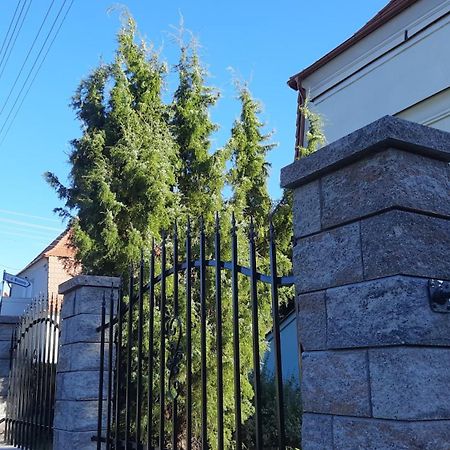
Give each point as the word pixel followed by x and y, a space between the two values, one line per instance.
pixel 169 341
pixel 31 394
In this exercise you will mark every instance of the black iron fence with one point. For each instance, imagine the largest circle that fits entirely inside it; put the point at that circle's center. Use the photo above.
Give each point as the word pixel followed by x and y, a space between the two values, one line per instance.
pixel 31 394
pixel 180 335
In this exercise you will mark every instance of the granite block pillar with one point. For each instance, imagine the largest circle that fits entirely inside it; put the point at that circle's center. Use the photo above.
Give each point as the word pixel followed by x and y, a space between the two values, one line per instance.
pixel 77 378
pixel 372 227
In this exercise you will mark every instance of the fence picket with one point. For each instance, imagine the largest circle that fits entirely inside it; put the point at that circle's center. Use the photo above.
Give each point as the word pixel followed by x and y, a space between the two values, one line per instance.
pixel 174 401
pixel 30 403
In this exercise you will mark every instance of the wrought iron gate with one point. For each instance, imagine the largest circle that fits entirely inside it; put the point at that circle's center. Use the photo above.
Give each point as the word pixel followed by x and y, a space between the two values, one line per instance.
pixel 169 343
pixel 31 394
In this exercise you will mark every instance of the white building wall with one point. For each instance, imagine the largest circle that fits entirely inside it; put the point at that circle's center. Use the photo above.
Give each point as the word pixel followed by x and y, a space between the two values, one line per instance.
pixel 412 80
pixel 20 297
pixel 289 350
pixel 37 275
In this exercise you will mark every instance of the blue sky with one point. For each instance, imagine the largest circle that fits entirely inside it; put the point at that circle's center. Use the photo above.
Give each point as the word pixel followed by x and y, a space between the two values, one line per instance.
pixel 264 42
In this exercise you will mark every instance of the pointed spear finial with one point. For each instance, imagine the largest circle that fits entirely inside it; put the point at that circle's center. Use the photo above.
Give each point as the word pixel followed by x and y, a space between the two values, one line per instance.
pixel 271 228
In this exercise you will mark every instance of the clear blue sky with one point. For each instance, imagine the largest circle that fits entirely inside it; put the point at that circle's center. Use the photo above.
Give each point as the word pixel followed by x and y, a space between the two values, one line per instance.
pixel 265 42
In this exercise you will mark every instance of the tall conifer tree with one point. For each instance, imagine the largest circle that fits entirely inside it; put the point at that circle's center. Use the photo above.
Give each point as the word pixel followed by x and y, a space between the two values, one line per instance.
pixel 200 174
pixel 124 164
pixel 248 147
pixel 140 164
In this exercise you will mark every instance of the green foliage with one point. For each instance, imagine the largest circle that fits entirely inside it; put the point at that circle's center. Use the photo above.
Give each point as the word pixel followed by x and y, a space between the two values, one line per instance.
pixel 200 175
pixel 141 164
pixel 248 148
pixel 293 415
pixel 315 136
pixel 124 165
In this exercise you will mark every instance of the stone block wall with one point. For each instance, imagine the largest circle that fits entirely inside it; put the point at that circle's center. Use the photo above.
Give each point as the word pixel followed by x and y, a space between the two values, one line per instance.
pixel 372 226
pixel 78 369
pixel 7 326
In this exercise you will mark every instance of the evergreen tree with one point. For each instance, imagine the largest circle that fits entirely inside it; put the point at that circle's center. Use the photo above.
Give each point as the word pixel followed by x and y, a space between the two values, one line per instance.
pixel 141 164
pixel 124 164
pixel 315 136
pixel 248 147
pixel 200 174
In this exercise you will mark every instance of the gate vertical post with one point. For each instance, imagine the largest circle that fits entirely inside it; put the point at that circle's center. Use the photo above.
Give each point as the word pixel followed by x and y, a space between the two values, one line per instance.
pixel 372 228
pixel 77 374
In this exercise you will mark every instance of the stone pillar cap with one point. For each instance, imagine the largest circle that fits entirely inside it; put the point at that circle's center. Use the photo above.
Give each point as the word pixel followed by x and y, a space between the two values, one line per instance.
pixel 88 280
pixel 383 133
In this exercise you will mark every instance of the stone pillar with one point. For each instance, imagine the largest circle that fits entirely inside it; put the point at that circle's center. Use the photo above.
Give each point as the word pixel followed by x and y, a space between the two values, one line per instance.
pixel 77 377
pixel 372 227
pixel 7 325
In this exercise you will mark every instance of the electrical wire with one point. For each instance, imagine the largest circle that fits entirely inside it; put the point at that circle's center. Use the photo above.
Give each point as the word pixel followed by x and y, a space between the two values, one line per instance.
pixel 34 65
pixel 30 216
pixel 20 223
pixel 26 58
pixel 15 37
pixel 10 25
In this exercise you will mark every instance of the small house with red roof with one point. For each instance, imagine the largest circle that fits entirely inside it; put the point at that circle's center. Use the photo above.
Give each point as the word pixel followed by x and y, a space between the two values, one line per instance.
pixel 54 265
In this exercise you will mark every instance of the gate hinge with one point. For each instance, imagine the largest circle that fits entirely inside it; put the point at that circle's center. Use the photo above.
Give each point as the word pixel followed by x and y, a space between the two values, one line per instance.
pixel 439 296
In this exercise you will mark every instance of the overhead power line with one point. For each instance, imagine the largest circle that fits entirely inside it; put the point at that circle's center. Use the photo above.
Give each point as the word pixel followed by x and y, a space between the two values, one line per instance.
pixel 14 36
pixel 26 58
pixel 34 237
pixel 15 269
pixel 30 225
pixel 10 25
pixel 33 66
pixel 30 216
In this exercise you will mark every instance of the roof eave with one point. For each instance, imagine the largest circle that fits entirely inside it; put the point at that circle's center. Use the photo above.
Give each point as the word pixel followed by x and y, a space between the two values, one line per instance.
pixel 384 16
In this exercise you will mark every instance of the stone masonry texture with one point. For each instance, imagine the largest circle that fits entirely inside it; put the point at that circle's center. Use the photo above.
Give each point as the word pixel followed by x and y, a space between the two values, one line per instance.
pixel 78 370
pixel 383 312
pixel 392 178
pixel 326 432
pixel 384 133
pixel 328 259
pixel 372 227
pixel 368 434
pixel 336 383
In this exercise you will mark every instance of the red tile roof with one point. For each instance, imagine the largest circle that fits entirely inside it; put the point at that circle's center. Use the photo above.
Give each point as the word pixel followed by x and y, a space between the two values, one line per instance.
pixel 393 8
pixel 58 247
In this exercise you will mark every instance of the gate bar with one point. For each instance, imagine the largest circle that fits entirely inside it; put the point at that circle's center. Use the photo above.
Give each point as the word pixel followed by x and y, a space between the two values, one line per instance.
pixel 277 340
pixel 219 343
pixel 151 355
pixel 162 350
pixel 129 360
pixel 255 333
pixel 237 363
pixel 175 314
pixel 188 336
pixel 139 396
